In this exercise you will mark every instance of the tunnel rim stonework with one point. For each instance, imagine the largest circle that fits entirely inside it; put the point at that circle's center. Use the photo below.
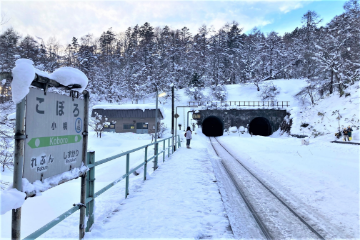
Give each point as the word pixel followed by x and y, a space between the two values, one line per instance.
pixel 219 121
pixel 270 130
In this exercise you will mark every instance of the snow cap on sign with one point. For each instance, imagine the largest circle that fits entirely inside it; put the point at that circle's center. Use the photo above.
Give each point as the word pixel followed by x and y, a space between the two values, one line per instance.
pixel 69 76
pixel 23 74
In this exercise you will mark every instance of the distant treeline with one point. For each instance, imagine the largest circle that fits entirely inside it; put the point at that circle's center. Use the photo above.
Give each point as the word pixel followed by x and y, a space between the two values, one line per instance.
pixel 131 64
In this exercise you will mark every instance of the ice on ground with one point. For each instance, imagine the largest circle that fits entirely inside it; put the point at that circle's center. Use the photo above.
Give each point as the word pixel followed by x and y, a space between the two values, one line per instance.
pixel 11 199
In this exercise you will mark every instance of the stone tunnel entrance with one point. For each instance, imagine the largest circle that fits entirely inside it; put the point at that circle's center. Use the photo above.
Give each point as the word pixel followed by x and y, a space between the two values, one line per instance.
pixel 260 126
pixel 212 126
pixel 261 122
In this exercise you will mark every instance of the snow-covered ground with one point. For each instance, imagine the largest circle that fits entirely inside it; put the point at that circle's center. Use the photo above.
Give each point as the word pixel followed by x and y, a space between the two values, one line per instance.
pixel 322 176
pixel 179 199
pixel 321 179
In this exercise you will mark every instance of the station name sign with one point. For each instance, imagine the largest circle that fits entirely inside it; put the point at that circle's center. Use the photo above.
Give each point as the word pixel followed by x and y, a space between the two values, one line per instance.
pixel 54 127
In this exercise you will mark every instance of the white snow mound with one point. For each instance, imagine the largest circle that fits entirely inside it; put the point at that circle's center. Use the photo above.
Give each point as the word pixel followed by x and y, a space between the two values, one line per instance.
pixel 69 76
pixel 11 199
pixel 23 74
pixel 233 129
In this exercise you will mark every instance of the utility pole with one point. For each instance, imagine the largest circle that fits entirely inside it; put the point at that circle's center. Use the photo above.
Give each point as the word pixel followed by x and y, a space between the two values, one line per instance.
pixel 156 128
pixel 172 117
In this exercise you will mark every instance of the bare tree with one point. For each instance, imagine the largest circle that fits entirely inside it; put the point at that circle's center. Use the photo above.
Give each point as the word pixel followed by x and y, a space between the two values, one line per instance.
pixel 4 19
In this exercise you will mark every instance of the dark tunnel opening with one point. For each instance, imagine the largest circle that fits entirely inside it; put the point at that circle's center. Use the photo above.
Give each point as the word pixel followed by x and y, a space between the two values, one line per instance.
pixel 260 126
pixel 212 126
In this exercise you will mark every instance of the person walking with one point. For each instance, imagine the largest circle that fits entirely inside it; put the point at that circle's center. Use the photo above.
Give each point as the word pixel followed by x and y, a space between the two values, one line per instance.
pixel 345 133
pixel 188 136
pixel 349 131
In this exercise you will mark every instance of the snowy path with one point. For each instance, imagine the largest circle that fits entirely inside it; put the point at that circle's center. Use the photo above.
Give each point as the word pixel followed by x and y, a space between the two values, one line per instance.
pixel 170 204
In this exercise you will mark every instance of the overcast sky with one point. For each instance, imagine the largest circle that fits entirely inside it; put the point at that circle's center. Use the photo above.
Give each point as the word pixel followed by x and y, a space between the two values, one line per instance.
pixel 67 19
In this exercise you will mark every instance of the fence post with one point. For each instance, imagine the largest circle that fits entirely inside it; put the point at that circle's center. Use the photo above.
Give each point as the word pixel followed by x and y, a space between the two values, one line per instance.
pixel 156 156
pixel 145 167
pixel 169 147
pixel 90 191
pixel 179 141
pixel 127 175
pixel 164 150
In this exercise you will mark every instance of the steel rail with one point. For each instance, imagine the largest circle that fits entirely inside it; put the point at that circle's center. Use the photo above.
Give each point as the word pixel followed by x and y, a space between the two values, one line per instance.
pixel 262 226
pixel 278 198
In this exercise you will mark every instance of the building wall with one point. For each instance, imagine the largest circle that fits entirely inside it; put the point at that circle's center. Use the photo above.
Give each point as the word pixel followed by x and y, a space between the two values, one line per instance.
pixel 119 125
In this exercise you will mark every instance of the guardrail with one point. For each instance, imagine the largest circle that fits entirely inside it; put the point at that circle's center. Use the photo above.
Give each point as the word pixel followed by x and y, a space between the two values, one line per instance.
pixel 90 181
pixel 242 103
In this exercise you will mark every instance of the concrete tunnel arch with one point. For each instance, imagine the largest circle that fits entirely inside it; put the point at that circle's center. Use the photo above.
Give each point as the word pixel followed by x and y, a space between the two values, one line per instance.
pixel 260 126
pixel 212 126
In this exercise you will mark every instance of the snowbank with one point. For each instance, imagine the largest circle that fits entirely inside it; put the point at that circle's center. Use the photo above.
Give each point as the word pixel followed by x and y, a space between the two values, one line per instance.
pixel 38 186
pixel 130 107
pixel 24 73
pixel 233 129
pixel 11 199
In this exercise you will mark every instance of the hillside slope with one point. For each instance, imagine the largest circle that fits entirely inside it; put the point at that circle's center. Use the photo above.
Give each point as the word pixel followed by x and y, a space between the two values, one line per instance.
pixel 322 119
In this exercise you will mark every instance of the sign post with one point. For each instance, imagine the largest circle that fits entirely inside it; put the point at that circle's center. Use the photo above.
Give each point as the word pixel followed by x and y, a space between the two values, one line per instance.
pixel 83 160
pixel 18 165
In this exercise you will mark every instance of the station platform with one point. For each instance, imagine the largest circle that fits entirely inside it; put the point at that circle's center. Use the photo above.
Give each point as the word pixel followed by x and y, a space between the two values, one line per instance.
pixel 180 199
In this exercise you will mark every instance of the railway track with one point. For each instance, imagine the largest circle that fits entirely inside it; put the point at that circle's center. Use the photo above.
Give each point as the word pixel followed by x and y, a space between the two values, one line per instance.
pixel 275 218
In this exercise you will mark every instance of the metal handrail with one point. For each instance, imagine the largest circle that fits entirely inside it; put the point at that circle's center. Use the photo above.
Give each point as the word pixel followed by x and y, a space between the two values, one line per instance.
pixel 90 182
pixel 242 103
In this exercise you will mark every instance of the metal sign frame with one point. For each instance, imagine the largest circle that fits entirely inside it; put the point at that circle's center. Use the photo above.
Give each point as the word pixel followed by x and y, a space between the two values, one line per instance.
pixel 20 137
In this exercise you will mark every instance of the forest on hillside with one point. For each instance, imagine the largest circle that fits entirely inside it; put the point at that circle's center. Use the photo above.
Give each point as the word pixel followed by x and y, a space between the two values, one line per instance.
pixel 132 63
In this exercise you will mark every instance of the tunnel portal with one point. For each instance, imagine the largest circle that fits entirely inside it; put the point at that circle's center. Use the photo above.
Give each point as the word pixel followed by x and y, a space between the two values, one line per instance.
pixel 212 126
pixel 258 121
pixel 260 126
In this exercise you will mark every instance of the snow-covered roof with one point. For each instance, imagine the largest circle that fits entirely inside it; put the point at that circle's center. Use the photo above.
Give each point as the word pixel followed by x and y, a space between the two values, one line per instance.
pixel 11 116
pixel 142 107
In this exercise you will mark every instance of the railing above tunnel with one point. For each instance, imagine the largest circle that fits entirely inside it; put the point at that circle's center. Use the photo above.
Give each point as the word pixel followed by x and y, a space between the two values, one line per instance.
pixel 281 104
